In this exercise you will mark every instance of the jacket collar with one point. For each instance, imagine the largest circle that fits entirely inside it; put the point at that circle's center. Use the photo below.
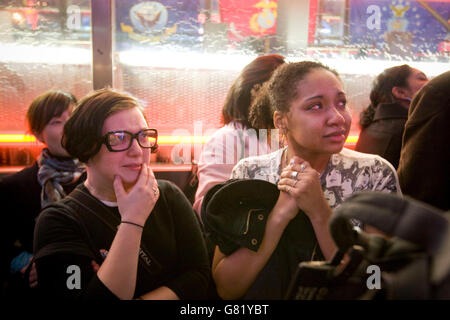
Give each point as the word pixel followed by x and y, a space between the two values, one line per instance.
pixel 390 111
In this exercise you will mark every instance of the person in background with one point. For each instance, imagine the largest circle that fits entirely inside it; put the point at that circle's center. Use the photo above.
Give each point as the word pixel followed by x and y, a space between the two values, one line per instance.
pixel 236 139
pixel 424 170
pixel 314 174
pixel 23 194
pixel 383 121
pixel 130 236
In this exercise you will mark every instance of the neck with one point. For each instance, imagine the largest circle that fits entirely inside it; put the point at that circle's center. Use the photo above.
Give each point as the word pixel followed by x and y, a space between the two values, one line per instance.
pixel 57 156
pixel 100 192
pixel 318 161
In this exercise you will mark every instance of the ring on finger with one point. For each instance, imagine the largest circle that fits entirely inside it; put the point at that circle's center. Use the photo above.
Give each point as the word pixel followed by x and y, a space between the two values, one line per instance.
pixel 302 167
pixel 294 175
pixel 155 191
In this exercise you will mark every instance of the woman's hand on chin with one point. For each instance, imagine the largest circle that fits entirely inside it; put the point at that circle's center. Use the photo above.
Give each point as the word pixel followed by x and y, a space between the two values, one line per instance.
pixel 136 204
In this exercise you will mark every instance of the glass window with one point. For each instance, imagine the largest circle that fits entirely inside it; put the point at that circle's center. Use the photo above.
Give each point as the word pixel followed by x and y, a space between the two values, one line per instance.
pixel 180 57
pixel 330 23
pixel 44 45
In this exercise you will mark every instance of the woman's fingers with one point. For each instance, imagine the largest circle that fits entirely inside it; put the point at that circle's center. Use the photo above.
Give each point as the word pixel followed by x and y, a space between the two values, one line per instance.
pixel 33 276
pixel 143 175
pixel 152 183
pixel 95 266
pixel 150 175
pixel 285 188
pixel 136 203
pixel 288 182
pixel 299 166
pixel 118 187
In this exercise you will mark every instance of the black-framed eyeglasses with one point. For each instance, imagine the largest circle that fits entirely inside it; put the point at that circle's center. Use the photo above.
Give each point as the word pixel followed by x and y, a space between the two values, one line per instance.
pixel 117 141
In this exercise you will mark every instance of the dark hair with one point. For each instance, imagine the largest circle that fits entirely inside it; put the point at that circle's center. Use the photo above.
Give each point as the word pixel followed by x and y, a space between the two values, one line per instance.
pixel 83 131
pixel 382 90
pixel 46 106
pixel 278 93
pixel 239 97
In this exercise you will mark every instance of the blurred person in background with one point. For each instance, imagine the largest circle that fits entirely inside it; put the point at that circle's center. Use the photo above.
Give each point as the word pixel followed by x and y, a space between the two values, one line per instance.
pixel 424 170
pixel 23 194
pixel 383 121
pixel 235 140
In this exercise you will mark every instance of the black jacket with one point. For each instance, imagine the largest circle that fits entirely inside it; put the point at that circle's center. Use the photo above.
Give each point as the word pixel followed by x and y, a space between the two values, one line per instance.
pixel 424 170
pixel 20 196
pixel 384 135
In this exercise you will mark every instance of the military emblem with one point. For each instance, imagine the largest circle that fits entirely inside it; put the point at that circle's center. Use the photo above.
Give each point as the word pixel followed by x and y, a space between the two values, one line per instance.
pixel 148 16
pixel 148 22
pixel 265 18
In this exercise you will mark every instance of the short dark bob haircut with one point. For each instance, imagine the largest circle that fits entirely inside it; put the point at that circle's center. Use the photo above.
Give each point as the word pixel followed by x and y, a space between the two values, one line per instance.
pixel 46 106
pixel 82 137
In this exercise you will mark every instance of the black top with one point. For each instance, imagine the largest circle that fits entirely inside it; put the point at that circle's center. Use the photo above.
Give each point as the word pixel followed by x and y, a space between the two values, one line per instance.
pixel 384 135
pixel 171 234
pixel 20 195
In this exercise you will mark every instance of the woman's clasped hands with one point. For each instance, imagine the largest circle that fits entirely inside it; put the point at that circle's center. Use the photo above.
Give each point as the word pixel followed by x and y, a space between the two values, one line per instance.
pixel 302 183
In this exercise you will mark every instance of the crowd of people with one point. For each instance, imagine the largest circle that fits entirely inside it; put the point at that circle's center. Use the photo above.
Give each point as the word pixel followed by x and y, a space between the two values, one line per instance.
pixel 91 199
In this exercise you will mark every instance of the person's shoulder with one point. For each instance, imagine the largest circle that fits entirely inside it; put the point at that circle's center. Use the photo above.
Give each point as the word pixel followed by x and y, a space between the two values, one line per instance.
pixel 61 210
pixel 231 129
pixel 261 160
pixel 168 188
pixel 431 103
pixel 23 177
pixel 165 184
pixel 356 155
pixel 54 218
pixel 263 167
pixel 364 159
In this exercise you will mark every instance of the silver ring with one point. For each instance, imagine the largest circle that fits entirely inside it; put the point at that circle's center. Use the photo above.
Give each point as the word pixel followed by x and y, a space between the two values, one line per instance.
pixel 155 191
pixel 294 175
pixel 302 167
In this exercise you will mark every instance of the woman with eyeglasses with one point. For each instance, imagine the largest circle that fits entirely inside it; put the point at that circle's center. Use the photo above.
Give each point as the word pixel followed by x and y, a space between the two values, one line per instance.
pixel 122 234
